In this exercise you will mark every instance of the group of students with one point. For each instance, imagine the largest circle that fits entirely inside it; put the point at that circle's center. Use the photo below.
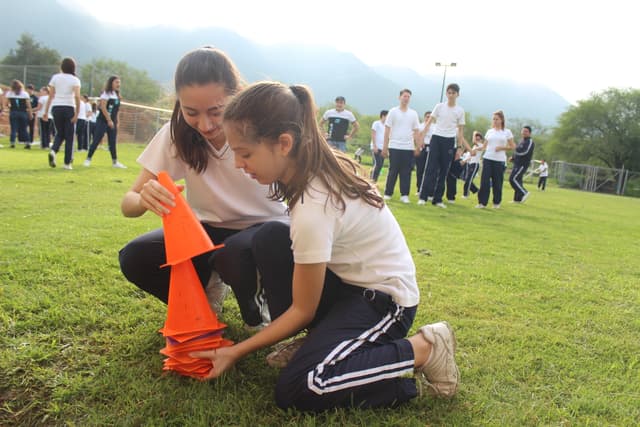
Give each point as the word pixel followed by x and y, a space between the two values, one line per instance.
pixel 72 115
pixel 440 154
pixel 301 227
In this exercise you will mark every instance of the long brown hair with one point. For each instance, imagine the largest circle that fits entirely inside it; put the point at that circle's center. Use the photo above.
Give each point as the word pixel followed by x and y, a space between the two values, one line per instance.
pixel 266 110
pixel 500 114
pixel 200 67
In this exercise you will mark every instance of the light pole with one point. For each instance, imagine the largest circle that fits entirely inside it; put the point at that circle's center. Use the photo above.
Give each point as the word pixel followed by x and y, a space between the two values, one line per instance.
pixel 439 64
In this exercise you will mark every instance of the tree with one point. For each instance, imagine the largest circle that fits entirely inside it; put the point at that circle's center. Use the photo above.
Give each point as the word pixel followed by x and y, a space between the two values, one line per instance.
pixel 137 86
pixel 603 130
pixel 29 62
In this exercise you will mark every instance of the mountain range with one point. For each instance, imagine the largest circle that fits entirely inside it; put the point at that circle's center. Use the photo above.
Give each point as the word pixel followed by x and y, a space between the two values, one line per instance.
pixel 329 72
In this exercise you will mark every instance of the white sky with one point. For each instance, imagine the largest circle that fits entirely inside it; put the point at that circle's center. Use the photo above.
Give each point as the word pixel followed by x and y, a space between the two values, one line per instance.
pixel 573 47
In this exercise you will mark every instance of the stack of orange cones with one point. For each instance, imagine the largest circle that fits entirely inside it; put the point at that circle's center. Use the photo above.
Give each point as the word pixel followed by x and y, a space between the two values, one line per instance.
pixel 191 325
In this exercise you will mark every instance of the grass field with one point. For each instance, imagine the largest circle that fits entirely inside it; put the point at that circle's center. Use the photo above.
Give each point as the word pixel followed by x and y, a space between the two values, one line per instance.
pixel 544 297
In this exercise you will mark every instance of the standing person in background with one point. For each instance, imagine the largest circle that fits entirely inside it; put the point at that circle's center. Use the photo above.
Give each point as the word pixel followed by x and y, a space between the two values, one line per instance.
pixel 81 124
pixel 92 122
pixel 377 144
pixel 498 141
pixel 45 132
pixel 107 121
pixel 425 132
pixel 521 161
pixel 400 144
pixel 33 97
pixel 64 104
pixel 339 120
pixel 543 171
pixel 473 165
pixel 18 102
pixel 449 124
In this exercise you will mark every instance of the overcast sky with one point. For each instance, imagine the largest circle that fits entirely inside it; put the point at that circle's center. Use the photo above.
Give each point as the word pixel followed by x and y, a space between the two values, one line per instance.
pixel 574 48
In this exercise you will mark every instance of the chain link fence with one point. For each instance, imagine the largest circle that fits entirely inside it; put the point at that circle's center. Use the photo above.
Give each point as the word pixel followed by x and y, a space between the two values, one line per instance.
pixel 596 179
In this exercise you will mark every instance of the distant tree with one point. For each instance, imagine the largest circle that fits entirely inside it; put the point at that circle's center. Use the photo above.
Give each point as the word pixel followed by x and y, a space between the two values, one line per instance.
pixel 29 62
pixel 137 86
pixel 604 130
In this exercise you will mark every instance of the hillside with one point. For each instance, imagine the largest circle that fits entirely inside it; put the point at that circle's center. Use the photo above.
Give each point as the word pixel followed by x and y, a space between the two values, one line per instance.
pixel 328 71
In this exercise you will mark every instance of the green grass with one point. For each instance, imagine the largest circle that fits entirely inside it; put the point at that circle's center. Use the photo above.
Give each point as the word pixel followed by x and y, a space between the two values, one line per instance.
pixel 544 298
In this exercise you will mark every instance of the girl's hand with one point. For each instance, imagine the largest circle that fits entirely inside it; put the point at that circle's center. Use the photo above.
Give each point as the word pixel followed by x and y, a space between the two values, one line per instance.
pixel 222 358
pixel 157 199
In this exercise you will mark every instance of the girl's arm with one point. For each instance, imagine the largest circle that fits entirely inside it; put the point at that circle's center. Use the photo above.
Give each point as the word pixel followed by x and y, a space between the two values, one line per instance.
pixel 147 194
pixel 105 112
pixel 52 94
pixel 308 282
pixel 76 98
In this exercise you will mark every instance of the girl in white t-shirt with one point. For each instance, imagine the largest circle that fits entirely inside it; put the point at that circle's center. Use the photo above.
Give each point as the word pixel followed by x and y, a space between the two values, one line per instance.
pixel 351 277
pixel 45 130
pixel 64 104
pixel 228 203
pixel 497 141
pixel 377 143
pixel 18 102
pixel 473 164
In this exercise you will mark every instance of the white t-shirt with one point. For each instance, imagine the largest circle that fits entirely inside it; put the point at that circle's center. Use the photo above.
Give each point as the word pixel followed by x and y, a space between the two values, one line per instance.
pixel 363 245
pixel 14 100
pixel 402 124
pixel 82 113
pixel 447 119
pixel 476 158
pixel 223 195
pixel 543 169
pixel 63 84
pixel 429 134
pixel 42 101
pixel 496 138
pixel 378 127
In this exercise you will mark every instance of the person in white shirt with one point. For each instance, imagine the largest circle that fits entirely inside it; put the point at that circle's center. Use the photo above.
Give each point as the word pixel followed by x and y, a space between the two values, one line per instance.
pixel 498 141
pixel 64 104
pixel 425 132
pixel 17 101
pixel 400 144
pixel 228 203
pixel 377 144
pixel 339 119
pixel 82 129
pixel 543 171
pixel 343 268
pixel 473 165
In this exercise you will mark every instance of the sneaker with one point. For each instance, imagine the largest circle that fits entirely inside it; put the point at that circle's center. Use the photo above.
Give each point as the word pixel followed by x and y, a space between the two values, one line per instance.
pixel 284 351
pixel 27 146
pixel 525 197
pixel 421 202
pixel 429 199
pixel 385 197
pixel 404 199
pixel 480 206
pixel 439 376
pixel 86 163
pixel 118 165
pixel 496 206
pixel 216 292
pixel 67 166
pixel 465 197
pixel 52 158
pixel 441 205
pixel 450 201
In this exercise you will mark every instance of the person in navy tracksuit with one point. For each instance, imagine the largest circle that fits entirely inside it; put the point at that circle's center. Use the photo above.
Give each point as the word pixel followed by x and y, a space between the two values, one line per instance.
pixel 521 160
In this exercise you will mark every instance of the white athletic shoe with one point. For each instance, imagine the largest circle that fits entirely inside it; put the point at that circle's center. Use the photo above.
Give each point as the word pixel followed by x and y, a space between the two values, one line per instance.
pixel 421 202
pixel 525 197
pixel 440 375
pixel 67 167
pixel 496 206
pixel 118 165
pixel 480 206
pixel 441 205
pixel 86 163
pixel 385 197
pixel 52 158
pixel 216 292
pixel 404 199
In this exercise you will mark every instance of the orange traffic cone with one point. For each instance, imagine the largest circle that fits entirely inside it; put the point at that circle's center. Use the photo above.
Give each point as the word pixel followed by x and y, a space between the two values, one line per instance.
pixel 188 310
pixel 184 235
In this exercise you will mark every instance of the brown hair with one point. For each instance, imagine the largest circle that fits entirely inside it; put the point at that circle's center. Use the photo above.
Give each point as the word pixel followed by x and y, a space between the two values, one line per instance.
pixel 200 67
pixel 500 114
pixel 68 66
pixel 17 87
pixel 266 110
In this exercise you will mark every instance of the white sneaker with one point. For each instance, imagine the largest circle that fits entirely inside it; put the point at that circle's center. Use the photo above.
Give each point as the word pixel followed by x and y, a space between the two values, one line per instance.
pixel 385 197
pixel 465 197
pixel 67 167
pixel 404 199
pixel 430 199
pixel 52 158
pixel 118 165
pixel 480 206
pixel 440 375
pixel 441 205
pixel 451 201
pixel 87 163
pixel 495 206
pixel 284 351
pixel 421 202
pixel 216 292
pixel 525 197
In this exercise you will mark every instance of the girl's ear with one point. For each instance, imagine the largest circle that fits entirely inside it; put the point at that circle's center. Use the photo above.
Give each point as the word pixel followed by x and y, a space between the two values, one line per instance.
pixel 286 143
